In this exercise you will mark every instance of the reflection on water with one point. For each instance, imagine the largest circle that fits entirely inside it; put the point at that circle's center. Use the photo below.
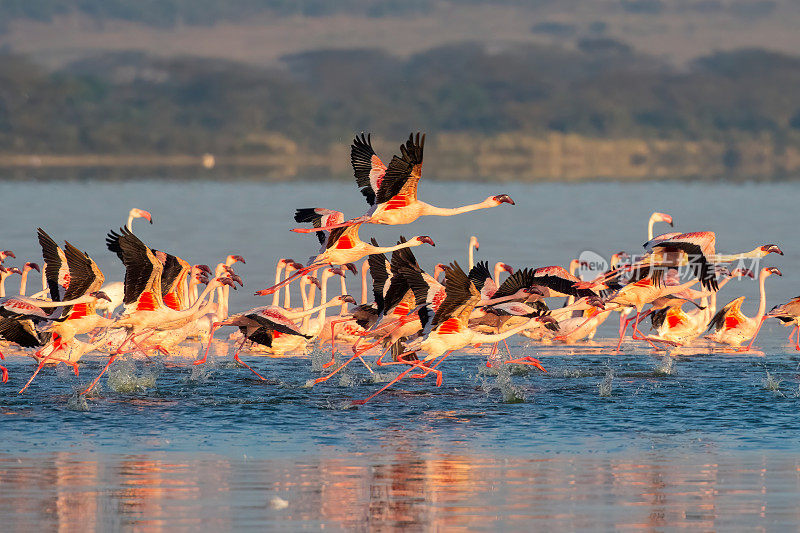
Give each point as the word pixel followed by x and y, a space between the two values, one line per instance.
pixel 156 491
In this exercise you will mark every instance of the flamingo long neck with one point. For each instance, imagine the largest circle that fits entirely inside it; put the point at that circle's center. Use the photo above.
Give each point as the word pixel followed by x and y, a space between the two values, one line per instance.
pixel 323 296
pixel 384 250
pixel 24 281
pixel 722 258
pixel 276 296
pixel 192 296
pixel 428 209
pixel 497 337
pixel 294 315
pixel 129 224
pixel 471 257
pixel 650 227
pixel 364 288
pixel 44 278
pixel 3 277
pixel 762 302
pixel 343 287
pixel 497 268
pixel 287 297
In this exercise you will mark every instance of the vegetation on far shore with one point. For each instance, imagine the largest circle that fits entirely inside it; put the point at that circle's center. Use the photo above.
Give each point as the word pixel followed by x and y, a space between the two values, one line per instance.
pixel 737 110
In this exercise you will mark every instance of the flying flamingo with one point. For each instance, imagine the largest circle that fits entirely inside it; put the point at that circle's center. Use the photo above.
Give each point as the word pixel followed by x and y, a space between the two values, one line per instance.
pixel 343 246
pixel 392 193
pixel 730 325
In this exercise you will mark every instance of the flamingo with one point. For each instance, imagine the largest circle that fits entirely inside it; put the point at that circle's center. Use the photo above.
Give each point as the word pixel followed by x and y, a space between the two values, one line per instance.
pixel 674 324
pixel 392 193
pixel 260 324
pixel 697 250
pixel 343 246
pixel 6 253
pixel 116 289
pixel 20 317
pixel 730 325
pixel 788 313
pixel 450 330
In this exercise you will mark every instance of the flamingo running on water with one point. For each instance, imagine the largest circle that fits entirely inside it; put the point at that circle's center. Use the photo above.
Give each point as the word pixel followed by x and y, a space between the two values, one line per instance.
pixel 730 326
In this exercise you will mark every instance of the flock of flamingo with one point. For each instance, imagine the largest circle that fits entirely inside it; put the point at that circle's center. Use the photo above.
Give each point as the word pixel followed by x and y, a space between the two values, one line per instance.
pixel 415 318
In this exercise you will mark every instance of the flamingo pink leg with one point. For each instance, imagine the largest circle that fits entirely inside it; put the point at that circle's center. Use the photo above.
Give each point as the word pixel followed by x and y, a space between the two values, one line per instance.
pixel 3 369
pixel 752 340
pixel 236 357
pixel 395 380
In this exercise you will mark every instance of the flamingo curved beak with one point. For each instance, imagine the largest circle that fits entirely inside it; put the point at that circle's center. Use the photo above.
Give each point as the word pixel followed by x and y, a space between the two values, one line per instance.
pixel 264 292
pixel 507 268
pixel 351 267
pixel 8 253
pixel 772 249
pixel 203 268
pixel 315 281
pixel 347 298
pixel 503 199
pixel 237 259
pixel 426 240
pixel 33 266
pixel 774 270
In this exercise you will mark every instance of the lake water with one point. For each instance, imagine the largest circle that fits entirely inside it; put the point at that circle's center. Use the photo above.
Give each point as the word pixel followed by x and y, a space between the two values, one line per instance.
pixel 601 441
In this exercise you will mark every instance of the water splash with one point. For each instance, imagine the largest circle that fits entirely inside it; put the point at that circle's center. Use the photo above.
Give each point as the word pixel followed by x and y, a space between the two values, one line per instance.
pixel 772 384
pixel 666 368
pixel 605 387
pixel 123 378
pixel 77 402
pixel 502 382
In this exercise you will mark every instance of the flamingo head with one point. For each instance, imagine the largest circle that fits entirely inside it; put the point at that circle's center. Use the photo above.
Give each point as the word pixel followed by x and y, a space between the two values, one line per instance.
pixel 596 301
pixel 231 259
pixel 768 271
pixel 347 298
pixel 13 270
pixel 661 217
pixel 473 241
pixel 315 281
pixel 7 253
pixel 618 257
pixel 337 271
pixel 237 279
pixel 100 295
pixel 203 268
pixel 295 265
pixel 351 267
pixel 141 213
pixel 31 266
pixel 507 268
pixel 200 277
pixel 226 280
pixel 425 239
pixel 771 249
pixel 503 199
